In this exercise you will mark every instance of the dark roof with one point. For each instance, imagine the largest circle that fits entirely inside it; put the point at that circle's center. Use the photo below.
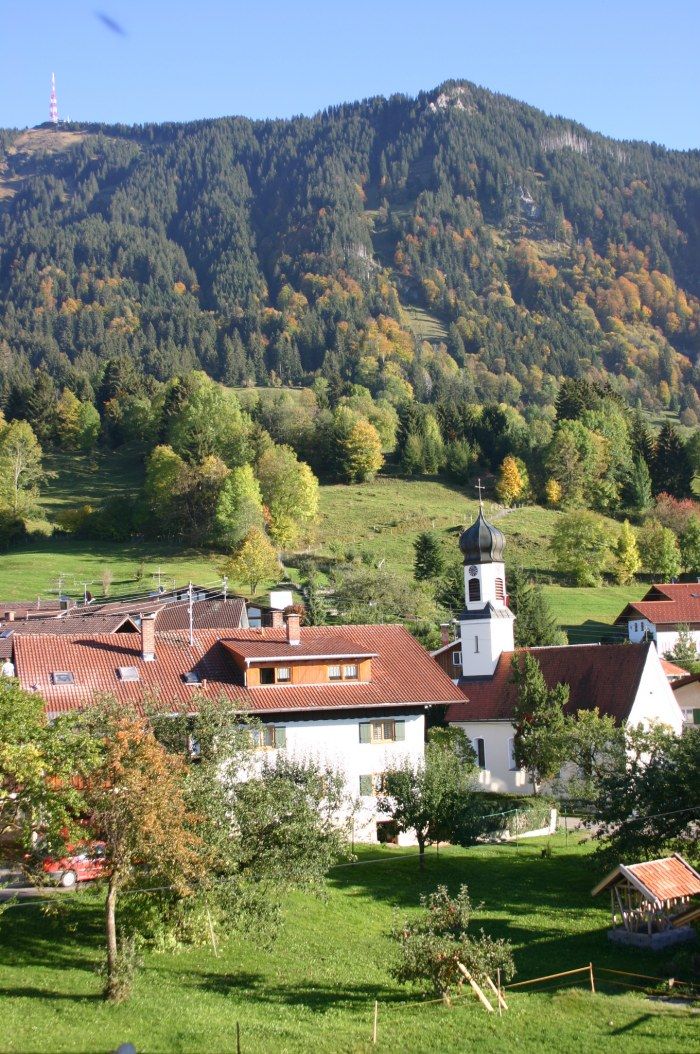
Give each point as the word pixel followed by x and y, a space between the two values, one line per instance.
pixel 482 543
pixel 326 642
pixel 206 614
pixel 403 673
pixel 606 676
pixel 70 625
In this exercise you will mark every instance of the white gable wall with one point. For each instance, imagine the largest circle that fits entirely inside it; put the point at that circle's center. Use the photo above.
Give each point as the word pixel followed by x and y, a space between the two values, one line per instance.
pixel 497 774
pixel 655 702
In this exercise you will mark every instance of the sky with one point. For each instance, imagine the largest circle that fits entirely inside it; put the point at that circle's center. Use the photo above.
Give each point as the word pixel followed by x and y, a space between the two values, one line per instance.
pixel 627 69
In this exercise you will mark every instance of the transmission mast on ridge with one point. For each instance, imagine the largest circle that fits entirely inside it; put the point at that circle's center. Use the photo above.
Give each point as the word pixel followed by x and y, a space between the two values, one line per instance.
pixel 53 101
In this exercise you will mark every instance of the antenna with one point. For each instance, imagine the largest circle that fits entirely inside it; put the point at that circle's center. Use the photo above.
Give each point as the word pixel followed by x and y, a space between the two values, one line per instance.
pixel 224 584
pixel 189 590
pixel 53 101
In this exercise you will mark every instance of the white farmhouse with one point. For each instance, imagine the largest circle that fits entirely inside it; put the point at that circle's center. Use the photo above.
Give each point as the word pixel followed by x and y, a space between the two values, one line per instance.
pixel 659 614
pixel 626 681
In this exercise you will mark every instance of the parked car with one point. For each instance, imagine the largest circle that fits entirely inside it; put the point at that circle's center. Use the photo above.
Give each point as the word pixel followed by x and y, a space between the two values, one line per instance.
pixel 80 864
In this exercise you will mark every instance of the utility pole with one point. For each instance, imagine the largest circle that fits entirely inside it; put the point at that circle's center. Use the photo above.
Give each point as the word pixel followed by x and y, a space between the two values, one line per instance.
pixel 158 574
pixel 191 615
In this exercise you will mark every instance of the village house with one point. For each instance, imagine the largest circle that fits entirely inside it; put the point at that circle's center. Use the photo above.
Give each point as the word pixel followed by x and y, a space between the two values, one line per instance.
pixel 627 682
pixel 687 693
pixel 356 697
pixel 660 613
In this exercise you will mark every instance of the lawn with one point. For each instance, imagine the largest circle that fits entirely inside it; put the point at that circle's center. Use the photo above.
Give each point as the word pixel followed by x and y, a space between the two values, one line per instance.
pixel 314 987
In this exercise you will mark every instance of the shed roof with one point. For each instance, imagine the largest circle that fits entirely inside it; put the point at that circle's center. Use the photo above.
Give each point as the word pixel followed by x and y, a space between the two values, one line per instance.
pixel 669 878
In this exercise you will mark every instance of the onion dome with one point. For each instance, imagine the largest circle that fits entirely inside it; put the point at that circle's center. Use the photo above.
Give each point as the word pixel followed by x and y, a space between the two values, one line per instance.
pixel 482 543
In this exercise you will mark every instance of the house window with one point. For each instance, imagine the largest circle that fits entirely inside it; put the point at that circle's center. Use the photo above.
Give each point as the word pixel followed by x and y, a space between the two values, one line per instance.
pixel 382 731
pixel 500 591
pixel 284 673
pixel 128 673
pixel 478 745
pixel 456 658
pixel 512 765
pixel 191 677
pixel 350 672
pixel 267 674
pixel 371 784
pixel 269 737
pixel 474 589
pixel 476 645
pixel 334 673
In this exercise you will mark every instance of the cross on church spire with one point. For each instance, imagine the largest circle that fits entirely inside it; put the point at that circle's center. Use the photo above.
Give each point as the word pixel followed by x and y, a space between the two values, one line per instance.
pixel 479 486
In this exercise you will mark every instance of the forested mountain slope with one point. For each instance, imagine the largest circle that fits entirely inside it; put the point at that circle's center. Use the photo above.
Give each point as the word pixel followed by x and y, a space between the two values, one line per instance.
pixel 521 247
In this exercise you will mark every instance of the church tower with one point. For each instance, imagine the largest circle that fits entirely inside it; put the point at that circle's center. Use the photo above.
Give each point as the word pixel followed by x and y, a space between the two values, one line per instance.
pixel 486 624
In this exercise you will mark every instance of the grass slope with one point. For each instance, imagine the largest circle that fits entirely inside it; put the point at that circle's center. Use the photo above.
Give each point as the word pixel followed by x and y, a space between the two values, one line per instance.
pixel 382 519
pixel 314 988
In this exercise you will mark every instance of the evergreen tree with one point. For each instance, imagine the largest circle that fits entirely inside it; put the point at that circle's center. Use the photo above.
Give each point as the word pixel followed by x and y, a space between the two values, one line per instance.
pixel 429 562
pixel 638 489
pixel 535 625
pixel 538 717
pixel 671 470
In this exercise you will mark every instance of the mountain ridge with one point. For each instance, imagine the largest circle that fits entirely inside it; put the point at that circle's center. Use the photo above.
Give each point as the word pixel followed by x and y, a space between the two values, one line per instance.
pixel 280 249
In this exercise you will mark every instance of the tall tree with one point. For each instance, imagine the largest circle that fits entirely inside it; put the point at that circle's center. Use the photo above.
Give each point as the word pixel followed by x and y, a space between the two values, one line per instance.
pixel 428 561
pixel 254 560
pixel 580 546
pixel 538 717
pixel 290 493
pixel 671 469
pixel 21 469
pixel 627 558
pixel 659 552
pixel 535 624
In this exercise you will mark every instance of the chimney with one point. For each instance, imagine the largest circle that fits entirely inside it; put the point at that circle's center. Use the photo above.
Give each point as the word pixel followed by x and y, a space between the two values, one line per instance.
pixel 148 636
pixel 293 634
pixel 444 633
pixel 9 616
pixel 276 618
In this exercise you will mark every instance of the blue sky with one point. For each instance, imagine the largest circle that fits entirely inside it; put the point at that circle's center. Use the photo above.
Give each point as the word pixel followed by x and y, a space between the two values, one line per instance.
pixel 627 69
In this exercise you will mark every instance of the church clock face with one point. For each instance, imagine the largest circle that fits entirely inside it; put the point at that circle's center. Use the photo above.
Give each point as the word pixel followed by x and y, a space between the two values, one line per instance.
pixel 473 571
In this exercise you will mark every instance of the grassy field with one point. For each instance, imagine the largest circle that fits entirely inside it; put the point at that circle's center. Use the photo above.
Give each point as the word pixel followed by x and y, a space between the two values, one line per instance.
pixel 314 988
pixel 89 479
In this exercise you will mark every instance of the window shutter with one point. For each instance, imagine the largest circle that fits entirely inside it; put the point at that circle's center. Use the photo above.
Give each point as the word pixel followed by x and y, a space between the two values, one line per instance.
pixel 280 736
pixel 365 732
pixel 478 745
pixel 365 785
pixel 399 731
pixel 696 717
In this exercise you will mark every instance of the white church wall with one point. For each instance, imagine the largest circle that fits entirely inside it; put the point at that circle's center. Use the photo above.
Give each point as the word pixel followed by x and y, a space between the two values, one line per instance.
pixel 655 701
pixel 498 774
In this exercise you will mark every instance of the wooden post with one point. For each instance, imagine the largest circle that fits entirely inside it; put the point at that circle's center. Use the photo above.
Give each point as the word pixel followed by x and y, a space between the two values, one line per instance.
pixel 497 992
pixel 475 987
pixel 590 971
pixel 238 1038
pixel 374 1027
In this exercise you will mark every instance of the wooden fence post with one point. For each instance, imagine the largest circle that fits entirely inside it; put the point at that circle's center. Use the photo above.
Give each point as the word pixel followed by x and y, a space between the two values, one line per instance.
pixel 238 1038
pixel 374 1027
pixel 590 970
pixel 475 987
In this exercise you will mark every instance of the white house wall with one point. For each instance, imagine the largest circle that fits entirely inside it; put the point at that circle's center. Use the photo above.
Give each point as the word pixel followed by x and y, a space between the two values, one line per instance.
pixel 337 743
pixel 666 638
pixel 497 775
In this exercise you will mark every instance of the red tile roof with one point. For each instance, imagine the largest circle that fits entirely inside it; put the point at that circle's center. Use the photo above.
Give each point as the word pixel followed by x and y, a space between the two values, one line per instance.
pixel 206 614
pixel 666 605
pixel 54 626
pixel 672 671
pixel 402 673
pixel 658 880
pixel 602 675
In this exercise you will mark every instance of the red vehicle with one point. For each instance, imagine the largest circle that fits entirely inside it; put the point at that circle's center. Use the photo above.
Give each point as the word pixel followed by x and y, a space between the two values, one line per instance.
pixel 80 864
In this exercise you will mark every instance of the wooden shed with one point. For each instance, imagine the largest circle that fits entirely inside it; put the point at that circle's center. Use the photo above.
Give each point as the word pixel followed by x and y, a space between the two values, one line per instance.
pixel 651 903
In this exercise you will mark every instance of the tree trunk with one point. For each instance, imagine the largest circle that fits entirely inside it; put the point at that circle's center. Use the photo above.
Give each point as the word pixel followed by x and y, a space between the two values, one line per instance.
pixel 111 933
pixel 421 853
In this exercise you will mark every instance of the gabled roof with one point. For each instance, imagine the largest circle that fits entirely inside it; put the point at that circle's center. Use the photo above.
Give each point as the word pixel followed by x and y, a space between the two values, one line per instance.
pixel 403 673
pixel 96 624
pixel 206 614
pixel 606 676
pixel 666 605
pixel 688 678
pixel 657 880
